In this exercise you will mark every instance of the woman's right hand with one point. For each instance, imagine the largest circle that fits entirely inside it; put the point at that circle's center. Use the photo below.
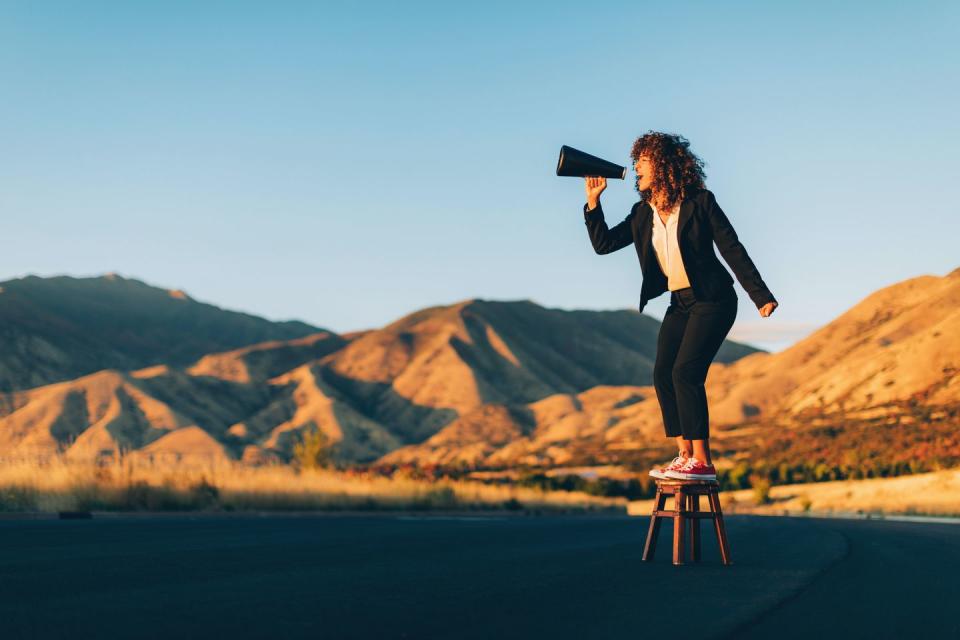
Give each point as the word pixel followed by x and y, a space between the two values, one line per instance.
pixel 594 187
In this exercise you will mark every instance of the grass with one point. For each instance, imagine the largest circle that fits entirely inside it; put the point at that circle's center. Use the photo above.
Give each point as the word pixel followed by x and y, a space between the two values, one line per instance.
pixel 131 484
pixel 929 494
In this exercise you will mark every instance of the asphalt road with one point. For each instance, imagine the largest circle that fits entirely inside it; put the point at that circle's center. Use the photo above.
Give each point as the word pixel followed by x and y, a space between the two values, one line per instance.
pixel 502 577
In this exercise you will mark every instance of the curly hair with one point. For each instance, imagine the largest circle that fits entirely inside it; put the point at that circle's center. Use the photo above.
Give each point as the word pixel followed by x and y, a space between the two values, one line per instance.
pixel 678 171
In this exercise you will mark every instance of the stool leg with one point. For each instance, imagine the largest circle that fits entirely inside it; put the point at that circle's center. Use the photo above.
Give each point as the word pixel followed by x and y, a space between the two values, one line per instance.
pixel 721 531
pixel 679 524
pixel 695 527
pixel 651 546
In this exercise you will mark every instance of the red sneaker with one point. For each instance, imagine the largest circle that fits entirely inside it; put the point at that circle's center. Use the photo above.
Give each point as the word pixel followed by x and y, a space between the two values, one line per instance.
pixel 673 465
pixel 693 470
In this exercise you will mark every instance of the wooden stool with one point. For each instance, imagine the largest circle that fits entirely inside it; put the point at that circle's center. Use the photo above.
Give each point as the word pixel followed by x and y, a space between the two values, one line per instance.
pixel 686 507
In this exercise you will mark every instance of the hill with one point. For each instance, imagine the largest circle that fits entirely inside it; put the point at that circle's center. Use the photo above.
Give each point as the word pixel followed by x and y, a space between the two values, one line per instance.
pixel 898 343
pixel 495 384
pixel 60 328
pixel 469 366
pixel 875 375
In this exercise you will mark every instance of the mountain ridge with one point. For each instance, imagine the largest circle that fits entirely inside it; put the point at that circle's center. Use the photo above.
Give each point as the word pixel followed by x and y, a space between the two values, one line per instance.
pixel 62 327
pixel 493 384
pixel 371 391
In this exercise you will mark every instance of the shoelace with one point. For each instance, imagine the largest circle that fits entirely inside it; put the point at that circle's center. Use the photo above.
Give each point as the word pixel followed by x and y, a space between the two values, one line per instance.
pixel 691 463
pixel 678 461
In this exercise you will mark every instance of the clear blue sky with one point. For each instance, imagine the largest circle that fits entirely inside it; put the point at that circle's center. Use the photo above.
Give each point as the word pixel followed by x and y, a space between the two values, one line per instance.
pixel 348 164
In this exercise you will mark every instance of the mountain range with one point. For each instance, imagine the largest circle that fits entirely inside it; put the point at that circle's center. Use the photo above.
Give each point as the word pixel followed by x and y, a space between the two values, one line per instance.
pixel 59 328
pixel 94 366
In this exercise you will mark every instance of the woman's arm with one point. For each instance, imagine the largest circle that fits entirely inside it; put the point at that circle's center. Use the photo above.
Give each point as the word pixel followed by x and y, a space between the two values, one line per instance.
pixel 606 240
pixel 736 256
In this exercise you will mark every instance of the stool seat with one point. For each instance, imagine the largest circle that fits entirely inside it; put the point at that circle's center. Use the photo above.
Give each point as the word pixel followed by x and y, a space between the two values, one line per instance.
pixel 686 513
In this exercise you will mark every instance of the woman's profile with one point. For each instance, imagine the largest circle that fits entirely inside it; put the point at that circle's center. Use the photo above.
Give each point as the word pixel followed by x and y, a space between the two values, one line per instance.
pixel 673 228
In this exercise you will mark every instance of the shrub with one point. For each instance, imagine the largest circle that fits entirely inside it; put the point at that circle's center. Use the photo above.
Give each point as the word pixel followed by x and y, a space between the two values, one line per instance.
pixel 441 498
pixel 761 489
pixel 512 504
pixel 737 477
pixel 18 498
pixel 313 451
pixel 204 494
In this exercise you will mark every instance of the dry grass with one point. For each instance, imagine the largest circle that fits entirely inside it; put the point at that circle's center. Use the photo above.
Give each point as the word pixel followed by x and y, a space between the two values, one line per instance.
pixel 928 494
pixel 57 484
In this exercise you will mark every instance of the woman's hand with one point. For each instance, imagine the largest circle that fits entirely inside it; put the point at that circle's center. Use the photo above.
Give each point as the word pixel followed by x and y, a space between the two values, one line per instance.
pixel 768 308
pixel 594 187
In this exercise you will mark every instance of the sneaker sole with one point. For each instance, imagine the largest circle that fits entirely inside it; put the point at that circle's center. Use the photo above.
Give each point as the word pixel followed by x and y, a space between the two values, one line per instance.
pixel 690 476
pixel 658 474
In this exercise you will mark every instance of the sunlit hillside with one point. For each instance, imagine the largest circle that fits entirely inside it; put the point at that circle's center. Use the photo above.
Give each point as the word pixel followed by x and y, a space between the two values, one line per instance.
pixel 372 393
pixel 882 378
pixel 504 386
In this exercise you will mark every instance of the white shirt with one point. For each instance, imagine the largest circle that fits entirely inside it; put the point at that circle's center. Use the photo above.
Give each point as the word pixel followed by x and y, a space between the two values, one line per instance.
pixel 668 250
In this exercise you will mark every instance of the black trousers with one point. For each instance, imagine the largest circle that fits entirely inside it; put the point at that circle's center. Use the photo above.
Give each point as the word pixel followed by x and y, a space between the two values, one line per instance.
pixel 690 336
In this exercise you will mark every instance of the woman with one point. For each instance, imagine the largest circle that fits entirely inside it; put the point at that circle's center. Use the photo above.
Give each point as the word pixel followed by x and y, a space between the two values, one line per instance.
pixel 674 227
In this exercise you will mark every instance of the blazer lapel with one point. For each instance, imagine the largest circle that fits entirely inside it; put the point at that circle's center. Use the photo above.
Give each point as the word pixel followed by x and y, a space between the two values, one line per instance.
pixel 645 220
pixel 686 209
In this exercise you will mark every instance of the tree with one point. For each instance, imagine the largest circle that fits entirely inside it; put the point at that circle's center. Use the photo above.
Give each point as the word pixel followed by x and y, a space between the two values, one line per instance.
pixel 314 450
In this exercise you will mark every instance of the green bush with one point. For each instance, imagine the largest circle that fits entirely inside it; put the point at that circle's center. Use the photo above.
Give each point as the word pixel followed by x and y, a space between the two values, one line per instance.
pixel 761 489
pixel 512 504
pixel 18 498
pixel 632 489
pixel 203 494
pixel 442 497
pixel 313 451
pixel 735 478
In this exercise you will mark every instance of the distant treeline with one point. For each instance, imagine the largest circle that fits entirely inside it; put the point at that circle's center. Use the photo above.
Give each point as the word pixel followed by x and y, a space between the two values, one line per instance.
pixel 742 476
pixel 852 450
pixel 911 439
pixel 632 489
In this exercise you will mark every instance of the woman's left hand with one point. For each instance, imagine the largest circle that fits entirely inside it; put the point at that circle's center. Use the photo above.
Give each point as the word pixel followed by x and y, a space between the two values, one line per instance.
pixel 768 308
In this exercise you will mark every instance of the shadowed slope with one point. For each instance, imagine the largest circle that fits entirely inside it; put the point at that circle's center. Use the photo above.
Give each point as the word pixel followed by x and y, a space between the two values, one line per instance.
pixel 600 424
pixel 262 361
pixel 62 327
pixel 104 411
pixel 462 356
pixel 305 401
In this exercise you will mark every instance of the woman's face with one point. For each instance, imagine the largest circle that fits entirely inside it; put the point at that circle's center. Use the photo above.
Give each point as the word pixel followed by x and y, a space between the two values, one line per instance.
pixel 644 168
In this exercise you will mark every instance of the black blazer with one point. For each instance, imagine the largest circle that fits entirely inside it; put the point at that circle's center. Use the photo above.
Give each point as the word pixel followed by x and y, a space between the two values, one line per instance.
pixel 702 222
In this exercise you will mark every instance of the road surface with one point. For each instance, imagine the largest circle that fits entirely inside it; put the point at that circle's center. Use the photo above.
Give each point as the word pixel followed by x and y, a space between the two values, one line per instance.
pixel 389 576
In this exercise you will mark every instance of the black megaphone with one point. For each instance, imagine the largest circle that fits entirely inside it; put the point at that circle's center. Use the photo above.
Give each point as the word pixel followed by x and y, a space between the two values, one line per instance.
pixel 577 164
